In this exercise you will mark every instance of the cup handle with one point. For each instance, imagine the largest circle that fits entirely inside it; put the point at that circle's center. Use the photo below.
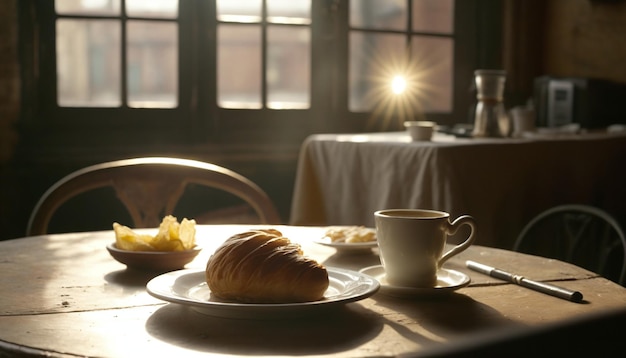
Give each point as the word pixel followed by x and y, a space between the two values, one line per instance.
pixel 452 228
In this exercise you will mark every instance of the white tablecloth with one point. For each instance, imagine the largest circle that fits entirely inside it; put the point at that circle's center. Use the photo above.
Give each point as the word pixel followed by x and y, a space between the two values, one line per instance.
pixel 342 179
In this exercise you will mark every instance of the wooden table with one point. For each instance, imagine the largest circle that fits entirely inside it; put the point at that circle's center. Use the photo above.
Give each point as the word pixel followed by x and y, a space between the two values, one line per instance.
pixel 63 295
pixel 342 179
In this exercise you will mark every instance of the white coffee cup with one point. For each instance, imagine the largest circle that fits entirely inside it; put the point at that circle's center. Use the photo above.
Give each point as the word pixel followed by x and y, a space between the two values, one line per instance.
pixel 411 243
pixel 420 130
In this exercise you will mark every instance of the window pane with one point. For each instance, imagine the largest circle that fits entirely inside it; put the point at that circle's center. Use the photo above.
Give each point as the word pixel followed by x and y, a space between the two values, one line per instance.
pixel 379 14
pixel 289 11
pixel 87 7
pixel 152 64
pixel 88 63
pixel 433 16
pixel 432 68
pixel 239 66
pixel 239 10
pixel 288 67
pixel 375 59
pixel 152 8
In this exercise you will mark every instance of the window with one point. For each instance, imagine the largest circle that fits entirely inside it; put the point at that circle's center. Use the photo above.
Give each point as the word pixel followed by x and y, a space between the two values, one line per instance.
pixel 263 71
pixel 275 40
pixel 405 44
pixel 98 67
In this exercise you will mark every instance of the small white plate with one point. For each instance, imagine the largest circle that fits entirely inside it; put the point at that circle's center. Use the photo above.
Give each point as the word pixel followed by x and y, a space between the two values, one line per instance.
pixel 188 287
pixel 344 246
pixel 447 281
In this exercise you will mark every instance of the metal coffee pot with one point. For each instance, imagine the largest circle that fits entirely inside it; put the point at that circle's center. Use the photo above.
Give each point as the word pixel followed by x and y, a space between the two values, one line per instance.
pixel 491 119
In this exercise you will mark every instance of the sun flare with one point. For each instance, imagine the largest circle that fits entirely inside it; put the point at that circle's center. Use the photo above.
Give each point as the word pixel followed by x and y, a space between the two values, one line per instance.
pixel 398 84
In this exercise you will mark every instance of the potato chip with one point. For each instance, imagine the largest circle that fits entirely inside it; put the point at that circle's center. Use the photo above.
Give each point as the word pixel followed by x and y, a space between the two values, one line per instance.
pixel 167 237
pixel 126 239
pixel 187 233
pixel 172 236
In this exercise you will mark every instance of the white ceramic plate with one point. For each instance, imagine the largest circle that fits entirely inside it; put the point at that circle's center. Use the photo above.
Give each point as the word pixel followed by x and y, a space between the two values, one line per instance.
pixel 188 287
pixel 447 281
pixel 348 231
pixel 344 246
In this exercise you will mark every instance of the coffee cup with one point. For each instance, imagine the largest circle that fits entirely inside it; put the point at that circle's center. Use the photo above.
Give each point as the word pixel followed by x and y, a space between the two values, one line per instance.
pixel 412 241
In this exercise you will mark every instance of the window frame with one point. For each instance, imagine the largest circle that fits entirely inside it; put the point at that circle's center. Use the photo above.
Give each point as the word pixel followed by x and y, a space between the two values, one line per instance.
pixel 198 119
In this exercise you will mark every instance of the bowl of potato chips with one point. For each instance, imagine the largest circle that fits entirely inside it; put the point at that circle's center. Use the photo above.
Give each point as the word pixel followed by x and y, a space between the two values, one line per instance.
pixel 171 248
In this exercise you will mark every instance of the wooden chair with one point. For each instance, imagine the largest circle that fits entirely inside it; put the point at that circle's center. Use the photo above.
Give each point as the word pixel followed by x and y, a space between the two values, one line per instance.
pixel 583 235
pixel 149 188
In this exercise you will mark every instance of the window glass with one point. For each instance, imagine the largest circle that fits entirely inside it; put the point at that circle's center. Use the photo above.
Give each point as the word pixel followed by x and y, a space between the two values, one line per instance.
pixel 87 7
pixel 375 60
pixel 289 11
pixel 88 63
pixel 288 67
pixel 152 64
pixel 432 72
pixel 386 56
pixel 239 66
pixel 433 16
pixel 152 8
pixel 239 10
pixel 379 14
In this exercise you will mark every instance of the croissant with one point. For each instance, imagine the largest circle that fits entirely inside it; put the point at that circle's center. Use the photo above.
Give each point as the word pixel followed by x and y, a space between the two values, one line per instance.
pixel 262 266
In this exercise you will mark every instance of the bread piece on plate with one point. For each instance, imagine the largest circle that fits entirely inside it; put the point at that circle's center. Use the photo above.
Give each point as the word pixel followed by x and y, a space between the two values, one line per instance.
pixel 263 266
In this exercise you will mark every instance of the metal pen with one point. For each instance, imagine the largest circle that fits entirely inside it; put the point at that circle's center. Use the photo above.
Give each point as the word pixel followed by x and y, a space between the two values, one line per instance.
pixel 556 291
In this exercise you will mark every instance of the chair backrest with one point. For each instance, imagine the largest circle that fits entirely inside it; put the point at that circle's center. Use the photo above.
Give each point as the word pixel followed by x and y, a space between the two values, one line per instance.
pixel 583 235
pixel 149 189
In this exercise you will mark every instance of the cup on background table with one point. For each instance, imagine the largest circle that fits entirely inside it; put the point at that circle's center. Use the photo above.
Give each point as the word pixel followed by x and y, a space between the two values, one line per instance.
pixel 523 119
pixel 411 243
pixel 420 130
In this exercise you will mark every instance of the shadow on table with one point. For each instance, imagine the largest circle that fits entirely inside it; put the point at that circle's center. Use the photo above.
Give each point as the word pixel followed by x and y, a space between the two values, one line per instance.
pixel 596 335
pixel 131 280
pixel 472 329
pixel 336 330
pixel 444 317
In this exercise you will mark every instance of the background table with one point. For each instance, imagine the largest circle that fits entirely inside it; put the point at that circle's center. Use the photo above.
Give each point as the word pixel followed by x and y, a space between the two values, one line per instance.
pixel 342 179
pixel 65 295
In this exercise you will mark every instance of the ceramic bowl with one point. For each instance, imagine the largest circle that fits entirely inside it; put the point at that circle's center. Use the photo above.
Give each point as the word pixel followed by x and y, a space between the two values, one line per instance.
pixel 153 260
pixel 420 130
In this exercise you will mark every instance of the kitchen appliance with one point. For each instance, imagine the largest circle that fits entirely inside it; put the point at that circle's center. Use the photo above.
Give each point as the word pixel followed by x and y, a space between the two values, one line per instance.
pixel 592 103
